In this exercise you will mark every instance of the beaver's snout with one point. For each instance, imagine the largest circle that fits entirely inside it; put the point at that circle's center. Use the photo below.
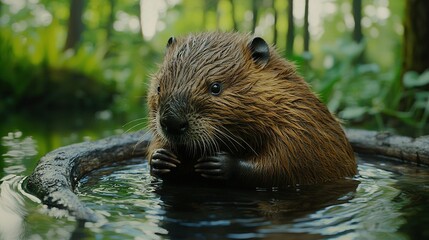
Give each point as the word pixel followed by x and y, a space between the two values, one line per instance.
pixel 173 124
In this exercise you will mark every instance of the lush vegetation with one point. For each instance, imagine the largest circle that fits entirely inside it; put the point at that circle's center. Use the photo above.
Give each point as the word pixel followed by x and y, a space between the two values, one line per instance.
pixel 359 77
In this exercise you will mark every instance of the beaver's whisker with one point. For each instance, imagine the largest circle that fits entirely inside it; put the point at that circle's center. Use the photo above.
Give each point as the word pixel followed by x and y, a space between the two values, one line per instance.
pixel 221 135
pixel 242 140
pixel 229 135
pixel 135 120
pixel 134 127
pixel 214 144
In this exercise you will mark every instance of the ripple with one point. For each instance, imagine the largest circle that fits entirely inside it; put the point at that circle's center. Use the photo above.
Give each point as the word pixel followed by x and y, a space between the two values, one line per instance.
pixel 18 150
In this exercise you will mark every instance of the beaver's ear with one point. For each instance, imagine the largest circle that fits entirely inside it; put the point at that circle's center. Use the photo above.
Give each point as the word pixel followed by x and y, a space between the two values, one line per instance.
pixel 171 41
pixel 260 51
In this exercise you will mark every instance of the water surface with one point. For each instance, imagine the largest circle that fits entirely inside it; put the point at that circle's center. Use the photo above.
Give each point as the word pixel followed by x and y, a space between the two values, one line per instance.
pixel 388 200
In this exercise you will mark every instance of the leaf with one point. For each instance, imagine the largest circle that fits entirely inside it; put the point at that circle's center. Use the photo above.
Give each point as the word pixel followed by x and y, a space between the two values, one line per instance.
pixel 353 112
pixel 368 68
pixel 412 79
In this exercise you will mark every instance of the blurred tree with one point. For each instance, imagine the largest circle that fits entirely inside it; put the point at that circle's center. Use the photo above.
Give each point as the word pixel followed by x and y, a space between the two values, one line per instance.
pixel 306 31
pixel 110 20
pixel 290 29
pixel 414 77
pixel 275 31
pixel 218 15
pixel 234 22
pixel 207 7
pixel 254 14
pixel 357 16
pixel 416 37
pixel 357 30
pixel 75 24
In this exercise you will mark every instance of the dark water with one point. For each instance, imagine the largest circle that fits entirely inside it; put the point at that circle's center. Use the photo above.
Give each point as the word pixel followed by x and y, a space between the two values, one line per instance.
pixel 388 200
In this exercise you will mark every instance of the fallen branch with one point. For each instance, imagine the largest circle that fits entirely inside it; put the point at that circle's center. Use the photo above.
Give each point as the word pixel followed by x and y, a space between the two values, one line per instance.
pixel 411 150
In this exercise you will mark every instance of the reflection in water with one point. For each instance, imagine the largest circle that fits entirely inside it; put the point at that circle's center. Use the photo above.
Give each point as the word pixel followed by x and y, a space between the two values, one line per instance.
pixel 192 211
pixel 17 150
pixel 126 196
pixel 369 214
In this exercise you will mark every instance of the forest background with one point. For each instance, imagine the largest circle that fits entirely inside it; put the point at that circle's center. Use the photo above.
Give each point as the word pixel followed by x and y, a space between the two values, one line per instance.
pixel 367 60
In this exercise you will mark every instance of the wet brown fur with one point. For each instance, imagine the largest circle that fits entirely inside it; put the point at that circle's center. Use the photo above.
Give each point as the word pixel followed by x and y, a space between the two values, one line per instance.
pixel 266 115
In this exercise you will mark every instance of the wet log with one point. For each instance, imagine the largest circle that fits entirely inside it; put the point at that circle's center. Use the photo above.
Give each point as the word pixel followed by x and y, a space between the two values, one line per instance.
pixel 54 179
pixel 411 150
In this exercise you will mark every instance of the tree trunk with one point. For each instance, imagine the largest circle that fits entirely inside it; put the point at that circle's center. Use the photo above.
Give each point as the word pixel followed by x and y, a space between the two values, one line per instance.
pixel 306 31
pixel 254 15
pixel 111 19
pixel 210 6
pixel 234 22
pixel 416 37
pixel 75 25
pixel 275 32
pixel 357 31
pixel 217 16
pixel 357 17
pixel 205 10
pixel 290 37
pixel 415 48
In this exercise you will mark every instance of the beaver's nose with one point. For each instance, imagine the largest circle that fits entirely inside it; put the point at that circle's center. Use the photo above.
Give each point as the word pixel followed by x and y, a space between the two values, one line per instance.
pixel 173 124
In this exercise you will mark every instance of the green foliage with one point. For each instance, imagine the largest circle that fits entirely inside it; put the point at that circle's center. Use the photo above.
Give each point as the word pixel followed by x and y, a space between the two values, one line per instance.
pixel 417 115
pixel 413 79
pixel 361 83
pixel 349 89
pixel 37 74
pixel 361 93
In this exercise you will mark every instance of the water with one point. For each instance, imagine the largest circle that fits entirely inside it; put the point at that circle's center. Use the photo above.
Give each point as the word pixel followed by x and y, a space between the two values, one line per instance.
pixel 388 200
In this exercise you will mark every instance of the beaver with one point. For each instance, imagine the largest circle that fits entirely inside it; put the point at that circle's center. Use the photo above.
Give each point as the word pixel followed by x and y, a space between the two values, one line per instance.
pixel 227 108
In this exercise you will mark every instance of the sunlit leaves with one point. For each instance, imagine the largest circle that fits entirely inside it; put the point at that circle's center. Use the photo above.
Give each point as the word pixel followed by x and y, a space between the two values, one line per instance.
pixel 413 79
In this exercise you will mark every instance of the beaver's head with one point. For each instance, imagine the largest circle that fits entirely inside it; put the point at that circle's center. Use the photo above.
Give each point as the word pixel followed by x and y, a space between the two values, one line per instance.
pixel 215 92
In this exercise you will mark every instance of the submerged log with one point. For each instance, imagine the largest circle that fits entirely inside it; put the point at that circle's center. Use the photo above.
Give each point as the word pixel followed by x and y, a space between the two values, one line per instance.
pixel 56 175
pixel 412 150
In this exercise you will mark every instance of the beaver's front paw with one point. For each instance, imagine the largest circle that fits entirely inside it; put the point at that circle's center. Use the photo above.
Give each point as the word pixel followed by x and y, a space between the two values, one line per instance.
pixel 220 166
pixel 162 162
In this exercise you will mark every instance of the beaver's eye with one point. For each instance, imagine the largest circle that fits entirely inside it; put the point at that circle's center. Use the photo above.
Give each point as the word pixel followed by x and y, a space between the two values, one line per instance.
pixel 158 89
pixel 215 88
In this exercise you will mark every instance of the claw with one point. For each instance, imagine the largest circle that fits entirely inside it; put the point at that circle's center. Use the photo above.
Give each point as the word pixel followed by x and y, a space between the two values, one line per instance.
pixel 162 162
pixel 158 163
